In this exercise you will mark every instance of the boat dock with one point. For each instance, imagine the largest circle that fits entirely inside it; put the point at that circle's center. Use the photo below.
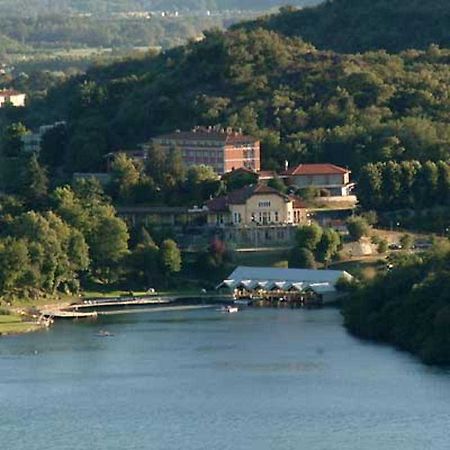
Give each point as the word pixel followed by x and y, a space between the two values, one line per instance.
pixel 93 308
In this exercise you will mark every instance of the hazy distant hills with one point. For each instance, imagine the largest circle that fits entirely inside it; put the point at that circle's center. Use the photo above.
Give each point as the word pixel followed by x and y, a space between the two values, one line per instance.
pixel 108 6
pixel 360 25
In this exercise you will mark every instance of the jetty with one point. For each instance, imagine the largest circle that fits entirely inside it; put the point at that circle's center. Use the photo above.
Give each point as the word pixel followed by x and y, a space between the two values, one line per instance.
pixel 92 308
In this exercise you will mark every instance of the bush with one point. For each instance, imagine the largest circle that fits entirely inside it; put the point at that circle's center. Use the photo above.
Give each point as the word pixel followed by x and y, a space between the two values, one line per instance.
pixel 357 227
pixel 382 246
pixel 302 258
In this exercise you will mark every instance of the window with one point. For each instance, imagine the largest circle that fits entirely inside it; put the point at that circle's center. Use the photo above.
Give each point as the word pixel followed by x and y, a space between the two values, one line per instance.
pixel 237 217
pixel 276 217
pixel 264 204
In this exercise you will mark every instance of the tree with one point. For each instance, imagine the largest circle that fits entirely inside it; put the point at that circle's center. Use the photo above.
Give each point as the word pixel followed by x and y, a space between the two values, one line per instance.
pixel 170 257
pixel 382 246
pixel 156 162
pixel 12 144
pixel 54 146
pixel 144 260
pixel 108 242
pixel 443 183
pixel 124 177
pixel 406 241
pixel 370 186
pixel 328 245
pixel 308 236
pixel 201 183
pixel 357 227
pixel 34 181
pixel 238 179
pixel 277 183
pixel 175 172
pixel 302 258
pixel 14 263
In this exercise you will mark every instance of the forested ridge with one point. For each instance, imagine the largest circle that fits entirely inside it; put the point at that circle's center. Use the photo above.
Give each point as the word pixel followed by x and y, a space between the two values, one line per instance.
pixel 385 116
pixel 409 306
pixel 351 26
pixel 306 105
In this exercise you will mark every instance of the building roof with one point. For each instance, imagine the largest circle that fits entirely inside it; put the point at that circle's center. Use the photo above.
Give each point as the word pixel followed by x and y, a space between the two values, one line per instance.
pixel 316 169
pixel 266 174
pixel 298 202
pixel 321 281
pixel 225 136
pixel 244 170
pixel 240 196
pixel 9 93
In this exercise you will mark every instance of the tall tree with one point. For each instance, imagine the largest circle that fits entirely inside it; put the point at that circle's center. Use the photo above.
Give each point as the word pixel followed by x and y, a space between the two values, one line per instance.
pixel 34 181
pixel 170 257
pixel 12 144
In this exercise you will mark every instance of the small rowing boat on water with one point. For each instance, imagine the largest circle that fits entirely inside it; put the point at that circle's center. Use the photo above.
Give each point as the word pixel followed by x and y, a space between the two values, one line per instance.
pixel 104 333
pixel 230 309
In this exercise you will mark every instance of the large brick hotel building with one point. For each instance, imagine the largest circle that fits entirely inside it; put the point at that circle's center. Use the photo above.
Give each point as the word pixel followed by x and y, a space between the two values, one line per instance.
pixel 222 149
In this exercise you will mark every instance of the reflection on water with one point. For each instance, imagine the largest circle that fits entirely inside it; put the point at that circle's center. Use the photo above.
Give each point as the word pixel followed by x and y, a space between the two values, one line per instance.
pixel 260 379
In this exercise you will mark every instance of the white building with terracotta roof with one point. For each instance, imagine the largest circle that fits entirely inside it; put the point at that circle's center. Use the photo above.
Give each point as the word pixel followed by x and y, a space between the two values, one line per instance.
pixel 11 97
pixel 334 179
pixel 256 205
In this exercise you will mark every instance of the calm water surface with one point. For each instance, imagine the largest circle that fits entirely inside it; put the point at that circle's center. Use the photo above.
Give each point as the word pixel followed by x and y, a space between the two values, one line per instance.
pixel 260 379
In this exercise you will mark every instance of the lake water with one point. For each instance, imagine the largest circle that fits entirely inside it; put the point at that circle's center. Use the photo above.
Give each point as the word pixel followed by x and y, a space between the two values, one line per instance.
pixel 191 380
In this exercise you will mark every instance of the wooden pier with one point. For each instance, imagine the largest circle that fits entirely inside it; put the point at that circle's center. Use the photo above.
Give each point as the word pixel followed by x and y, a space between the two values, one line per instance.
pixel 93 308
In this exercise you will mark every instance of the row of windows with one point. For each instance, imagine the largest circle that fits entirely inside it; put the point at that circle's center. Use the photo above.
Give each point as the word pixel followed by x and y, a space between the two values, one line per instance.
pixel 204 153
pixel 179 142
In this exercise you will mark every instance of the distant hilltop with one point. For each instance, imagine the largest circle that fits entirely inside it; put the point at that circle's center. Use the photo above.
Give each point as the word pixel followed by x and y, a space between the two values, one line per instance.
pixel 351 26
pixel 14 7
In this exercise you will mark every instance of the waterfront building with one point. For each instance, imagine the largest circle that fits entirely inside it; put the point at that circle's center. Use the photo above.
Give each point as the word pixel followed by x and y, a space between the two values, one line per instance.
pixel 278 283
pixel 224 149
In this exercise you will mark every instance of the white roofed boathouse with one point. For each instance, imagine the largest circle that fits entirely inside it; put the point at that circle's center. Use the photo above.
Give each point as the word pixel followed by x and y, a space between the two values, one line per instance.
pixel 295 286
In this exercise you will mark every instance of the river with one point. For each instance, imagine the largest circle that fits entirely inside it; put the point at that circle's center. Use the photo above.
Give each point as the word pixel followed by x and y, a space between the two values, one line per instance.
pixel 191 380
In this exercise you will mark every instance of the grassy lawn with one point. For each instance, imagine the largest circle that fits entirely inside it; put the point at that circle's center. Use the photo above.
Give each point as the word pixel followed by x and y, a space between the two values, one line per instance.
pixel 266 258
pixel 367 266
pixel 12 324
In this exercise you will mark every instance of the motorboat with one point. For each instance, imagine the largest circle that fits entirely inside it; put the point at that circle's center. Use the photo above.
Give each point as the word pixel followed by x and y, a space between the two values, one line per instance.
pixel 230 309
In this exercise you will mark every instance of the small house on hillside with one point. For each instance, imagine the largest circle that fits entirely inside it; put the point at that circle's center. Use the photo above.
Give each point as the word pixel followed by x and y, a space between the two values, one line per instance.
pixel 11 97
pixel 333 179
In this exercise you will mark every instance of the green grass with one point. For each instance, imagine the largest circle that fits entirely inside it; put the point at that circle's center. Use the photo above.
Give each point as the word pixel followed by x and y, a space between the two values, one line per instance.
pixel 360 266
pixel 266 258
pixel 13 324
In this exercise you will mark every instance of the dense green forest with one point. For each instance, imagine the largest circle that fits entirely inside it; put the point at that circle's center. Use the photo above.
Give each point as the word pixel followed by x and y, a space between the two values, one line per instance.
pixel 351 26
pixel 408 306
pixel 60 31
pixel 306 105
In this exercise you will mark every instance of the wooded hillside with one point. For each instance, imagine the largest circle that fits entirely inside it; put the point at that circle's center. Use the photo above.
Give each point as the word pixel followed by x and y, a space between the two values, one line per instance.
pixel 359 25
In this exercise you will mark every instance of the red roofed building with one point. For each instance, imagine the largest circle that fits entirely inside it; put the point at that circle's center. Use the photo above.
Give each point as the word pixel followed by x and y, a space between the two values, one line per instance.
pixel 222 149
pixel 334 179
pixel 11 97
